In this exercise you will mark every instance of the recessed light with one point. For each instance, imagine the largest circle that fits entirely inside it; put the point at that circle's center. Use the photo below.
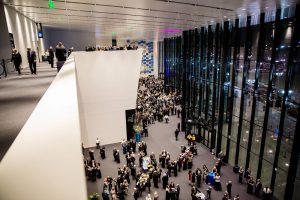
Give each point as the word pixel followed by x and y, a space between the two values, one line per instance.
pixel 244 9
pixel 270 151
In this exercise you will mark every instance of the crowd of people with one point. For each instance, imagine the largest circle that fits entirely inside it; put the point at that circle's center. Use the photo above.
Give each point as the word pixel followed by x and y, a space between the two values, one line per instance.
pixel 111 48
pixel 92 169
pixel 60 53
pixel 153 104
pixel 145 171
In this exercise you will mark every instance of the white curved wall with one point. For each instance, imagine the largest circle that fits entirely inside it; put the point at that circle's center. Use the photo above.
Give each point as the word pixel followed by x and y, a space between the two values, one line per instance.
pixel 45 160
pixel 107 83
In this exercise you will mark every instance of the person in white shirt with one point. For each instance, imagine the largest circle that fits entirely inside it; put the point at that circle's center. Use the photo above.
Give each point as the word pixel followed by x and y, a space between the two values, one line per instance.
pixel 166 118
pixel 155 195
pixel 98 143
pixel 148 197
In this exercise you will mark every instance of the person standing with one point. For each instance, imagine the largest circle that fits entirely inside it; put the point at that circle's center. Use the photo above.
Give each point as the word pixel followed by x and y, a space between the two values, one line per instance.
pixel 17 59
pixel 229 186
pixel 91 153
pixel 102 152
pixel 51 56
pixel 31 55
pixel 208 192
pixel 165 180
pixel 98 143
pixel 178 112
pixel 241 173
pixel 258 187
pixel 155 196
pixel 176 134
pixel 60 53
pixel 177 191
pixel 28 54
pixel 135 194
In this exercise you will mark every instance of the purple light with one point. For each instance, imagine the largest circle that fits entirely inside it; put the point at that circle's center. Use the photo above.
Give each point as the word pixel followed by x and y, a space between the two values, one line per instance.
pixel 170 31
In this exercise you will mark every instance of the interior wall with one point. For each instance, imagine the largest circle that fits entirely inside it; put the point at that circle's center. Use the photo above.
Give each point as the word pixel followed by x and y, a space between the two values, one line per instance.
pixel 106 88
pixel 70 38
pixel 24 32
pixel 108 42
pixel 5 49
pixel 45 160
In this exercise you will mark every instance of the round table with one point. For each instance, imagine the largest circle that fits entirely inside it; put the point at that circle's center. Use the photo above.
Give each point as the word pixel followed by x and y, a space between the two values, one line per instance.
pixel 146 162
pixel 200 196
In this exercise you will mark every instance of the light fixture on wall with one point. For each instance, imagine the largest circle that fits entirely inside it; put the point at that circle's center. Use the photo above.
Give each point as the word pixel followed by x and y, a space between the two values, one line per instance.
pixel 51 4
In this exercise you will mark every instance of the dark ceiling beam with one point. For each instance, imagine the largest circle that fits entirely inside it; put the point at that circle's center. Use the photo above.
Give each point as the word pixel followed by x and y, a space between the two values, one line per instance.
pixel 194 4
pixel 39 13
pixel 127 7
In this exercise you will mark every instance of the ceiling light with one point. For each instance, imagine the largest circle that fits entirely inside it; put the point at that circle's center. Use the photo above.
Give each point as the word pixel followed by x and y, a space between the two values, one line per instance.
pixel 243 8
pixel 224 16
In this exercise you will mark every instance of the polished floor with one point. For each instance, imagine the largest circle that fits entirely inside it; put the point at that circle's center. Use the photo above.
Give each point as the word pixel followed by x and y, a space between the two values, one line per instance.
pixel 18 97
pixel 161 136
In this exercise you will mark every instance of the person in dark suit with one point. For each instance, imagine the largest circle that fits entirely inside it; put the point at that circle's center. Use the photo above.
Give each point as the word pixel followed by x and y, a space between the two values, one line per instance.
pixel 229 186
pixel 176 134
pixel 51 56
pixel 31 55
pixel 17 59
pixel 165 180
pixel 60 53
pixel 91 153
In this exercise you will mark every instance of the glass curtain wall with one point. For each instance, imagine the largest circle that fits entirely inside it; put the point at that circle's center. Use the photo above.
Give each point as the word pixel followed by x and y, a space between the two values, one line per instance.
pixel 240 86
pixel 172 56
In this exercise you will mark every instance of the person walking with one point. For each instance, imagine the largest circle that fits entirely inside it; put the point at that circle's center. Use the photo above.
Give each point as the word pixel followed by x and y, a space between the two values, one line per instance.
pixel 51 56
pixel 17 60
pixel 60 53
pixel 31 55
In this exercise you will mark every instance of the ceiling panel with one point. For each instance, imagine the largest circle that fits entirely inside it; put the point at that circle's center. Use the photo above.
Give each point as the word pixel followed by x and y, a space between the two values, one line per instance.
pixel 138 18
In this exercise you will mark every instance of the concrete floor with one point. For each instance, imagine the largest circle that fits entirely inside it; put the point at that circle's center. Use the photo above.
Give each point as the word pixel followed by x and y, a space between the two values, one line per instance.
pixel 18 97
pixel 161 136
